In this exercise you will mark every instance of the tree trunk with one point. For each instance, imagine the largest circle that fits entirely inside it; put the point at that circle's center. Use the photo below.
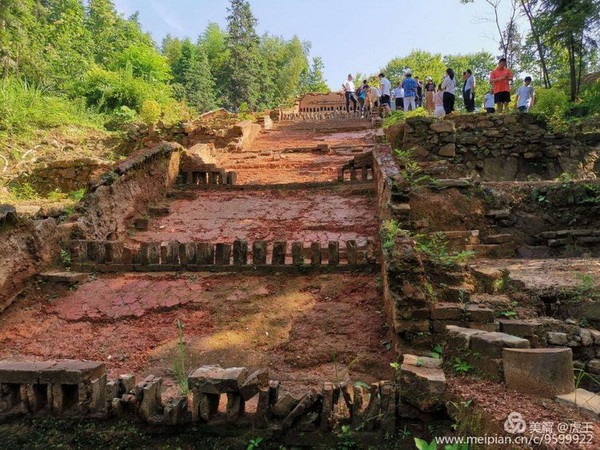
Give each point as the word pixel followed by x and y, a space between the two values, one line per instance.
pixel 538 43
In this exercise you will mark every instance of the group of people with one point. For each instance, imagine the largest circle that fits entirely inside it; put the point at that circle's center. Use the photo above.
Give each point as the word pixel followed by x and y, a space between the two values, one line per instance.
pixel 440 99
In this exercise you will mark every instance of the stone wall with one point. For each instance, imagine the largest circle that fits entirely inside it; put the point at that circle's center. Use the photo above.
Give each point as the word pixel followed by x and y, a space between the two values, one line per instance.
pixel 111 204
pixel 26 247
pixel 65 175
pixel 499 147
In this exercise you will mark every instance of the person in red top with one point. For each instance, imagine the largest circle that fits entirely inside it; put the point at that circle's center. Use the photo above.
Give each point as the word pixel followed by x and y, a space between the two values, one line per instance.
pixel 500 78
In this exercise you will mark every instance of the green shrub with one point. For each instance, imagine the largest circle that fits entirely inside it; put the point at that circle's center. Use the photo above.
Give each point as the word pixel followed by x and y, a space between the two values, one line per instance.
pixel 108 90
pixel 24 107
pixel 150 112
pixel 553 105
pixel 590 96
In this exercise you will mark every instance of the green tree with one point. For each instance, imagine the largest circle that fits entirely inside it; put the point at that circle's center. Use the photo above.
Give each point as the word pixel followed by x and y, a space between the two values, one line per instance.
pixel 420 62
pixel 243 63
pixel 145 61
pixel 198 82
pixel 312 78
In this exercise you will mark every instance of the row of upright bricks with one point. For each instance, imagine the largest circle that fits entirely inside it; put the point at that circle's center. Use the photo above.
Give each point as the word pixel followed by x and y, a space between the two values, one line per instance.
pixel 206 174
pixel 187 254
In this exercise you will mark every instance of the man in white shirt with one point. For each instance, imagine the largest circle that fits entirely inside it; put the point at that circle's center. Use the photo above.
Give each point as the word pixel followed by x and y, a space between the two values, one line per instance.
pixel 386 91
pixel 399 96
pixel 489 102
pixel 525 96
pixel 349 92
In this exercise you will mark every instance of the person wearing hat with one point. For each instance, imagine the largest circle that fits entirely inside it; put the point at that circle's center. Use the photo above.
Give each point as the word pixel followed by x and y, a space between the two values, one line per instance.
pixel 410 92
pixel 429 93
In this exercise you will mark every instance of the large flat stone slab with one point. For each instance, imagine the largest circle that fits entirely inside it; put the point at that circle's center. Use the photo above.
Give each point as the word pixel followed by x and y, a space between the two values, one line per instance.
pixel 582 399
pixel 53 372
pixel 490 345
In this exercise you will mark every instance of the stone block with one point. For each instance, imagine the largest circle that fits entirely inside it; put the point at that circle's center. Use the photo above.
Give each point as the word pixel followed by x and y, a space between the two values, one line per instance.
pixel 327 408
pixel 262 414
pixel 446 311
pixel 484 326
pixel 315 254
pixel 307 402
pixel 254 383
pixel 422 387
pixel 448 150
pixel 235 406
pixel 582 399
pixel 259 253
pixel 544 372
pixel 497 239
pixel 351 253
pixel 205 253
pixel 216 380
pixel 586 337
pixel 521 327
pixel 479 313
pixel 223 254
pixel 458 339
pixel 63 277
pixel 556 338
pixel 279 251
pixel 334 253
pixel 284 406
pixel 439 326
pixel 490 345
pixel 151 401
pixel 422 361
pixel 187 253
pixel 126 384
pixel 593 366
pixel 240 253
pixel 443 126
pixel 274 387
pixel 175 410
pixel 297 253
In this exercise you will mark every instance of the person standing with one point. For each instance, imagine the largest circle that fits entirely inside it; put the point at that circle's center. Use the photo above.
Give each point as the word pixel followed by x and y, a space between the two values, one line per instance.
pixel 525 96
pixel 500 78
pixel 419 96
pixel 438 101
pixel 399 97
pixel 386 92
pixel 350 93
pixel 469 90
pixel 410 92
pixel 449 88
pixel 488 102
pixel 429 93
pixel 362 95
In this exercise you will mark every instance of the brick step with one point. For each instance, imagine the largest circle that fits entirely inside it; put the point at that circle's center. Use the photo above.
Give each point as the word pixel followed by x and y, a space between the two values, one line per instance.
pixel 458 294
pixel 562 238
pixel 458 240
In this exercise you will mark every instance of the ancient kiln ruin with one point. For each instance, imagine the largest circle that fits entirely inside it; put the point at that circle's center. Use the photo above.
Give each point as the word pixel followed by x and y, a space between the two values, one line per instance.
pixel 303 257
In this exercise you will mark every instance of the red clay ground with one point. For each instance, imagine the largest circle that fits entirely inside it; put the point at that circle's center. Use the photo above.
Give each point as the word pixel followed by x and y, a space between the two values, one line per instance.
pixel 305 329
pixel 294 215
pixel 271 158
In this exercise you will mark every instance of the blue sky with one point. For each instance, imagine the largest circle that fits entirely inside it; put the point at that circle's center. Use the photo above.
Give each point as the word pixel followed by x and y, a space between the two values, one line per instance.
pixel 349 36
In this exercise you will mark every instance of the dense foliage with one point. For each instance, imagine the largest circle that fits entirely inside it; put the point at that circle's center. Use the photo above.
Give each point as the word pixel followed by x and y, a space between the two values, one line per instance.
pixel 558 46
pixel 76 61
